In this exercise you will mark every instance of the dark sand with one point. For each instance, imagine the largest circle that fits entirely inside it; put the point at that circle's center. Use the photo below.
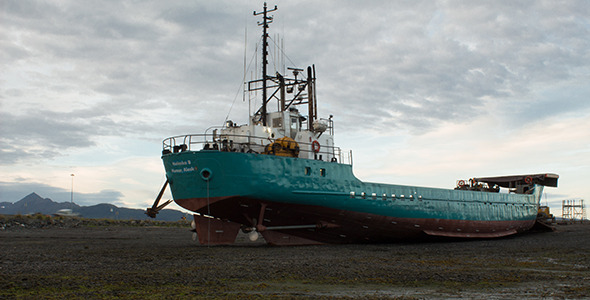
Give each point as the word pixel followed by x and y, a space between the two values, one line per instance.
pixel 118 261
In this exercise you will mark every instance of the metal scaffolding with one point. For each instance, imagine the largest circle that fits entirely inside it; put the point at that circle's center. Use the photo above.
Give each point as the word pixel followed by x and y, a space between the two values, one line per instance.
pixel 573 210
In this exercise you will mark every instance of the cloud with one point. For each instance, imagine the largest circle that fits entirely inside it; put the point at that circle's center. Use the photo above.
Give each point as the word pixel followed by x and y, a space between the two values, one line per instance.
pixel 431 63
pixel 90 83
pixel 411 76
pixel 77 72
pixel 463 150
pixel 38 136
pixel 49 134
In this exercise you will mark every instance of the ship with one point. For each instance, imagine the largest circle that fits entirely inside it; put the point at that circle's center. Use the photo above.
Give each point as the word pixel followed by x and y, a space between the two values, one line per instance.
pixel 281 176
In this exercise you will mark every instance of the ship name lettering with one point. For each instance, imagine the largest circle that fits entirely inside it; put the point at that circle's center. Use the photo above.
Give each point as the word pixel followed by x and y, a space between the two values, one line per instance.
pixel 183 170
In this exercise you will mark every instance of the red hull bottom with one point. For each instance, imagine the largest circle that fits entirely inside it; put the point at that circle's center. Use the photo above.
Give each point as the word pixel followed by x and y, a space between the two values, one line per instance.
pixel 286 224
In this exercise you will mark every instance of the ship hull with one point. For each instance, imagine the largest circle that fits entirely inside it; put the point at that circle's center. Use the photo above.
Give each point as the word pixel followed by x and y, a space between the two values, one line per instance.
pixel 301 201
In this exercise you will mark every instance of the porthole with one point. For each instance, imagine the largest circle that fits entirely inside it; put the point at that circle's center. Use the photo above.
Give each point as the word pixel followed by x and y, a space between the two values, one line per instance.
pixel 206 174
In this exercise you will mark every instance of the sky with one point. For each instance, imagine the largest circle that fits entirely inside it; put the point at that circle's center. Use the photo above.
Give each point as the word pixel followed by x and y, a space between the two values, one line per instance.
pixel 423 92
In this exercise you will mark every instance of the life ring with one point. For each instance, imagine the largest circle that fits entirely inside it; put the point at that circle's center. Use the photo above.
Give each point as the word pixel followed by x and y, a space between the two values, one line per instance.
pixel 528 179
pixel 461 183
pixel 315 146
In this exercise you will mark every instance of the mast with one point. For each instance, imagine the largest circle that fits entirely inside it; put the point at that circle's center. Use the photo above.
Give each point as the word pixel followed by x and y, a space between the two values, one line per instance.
pixel 312 113
pixel 301 90
pixel 265 21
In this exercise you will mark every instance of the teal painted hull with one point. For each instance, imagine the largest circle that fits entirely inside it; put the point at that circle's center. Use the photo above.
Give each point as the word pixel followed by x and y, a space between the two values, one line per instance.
pixel 220 184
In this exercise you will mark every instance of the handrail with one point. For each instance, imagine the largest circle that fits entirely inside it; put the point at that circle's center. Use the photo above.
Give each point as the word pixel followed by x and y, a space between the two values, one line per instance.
pixel 244 143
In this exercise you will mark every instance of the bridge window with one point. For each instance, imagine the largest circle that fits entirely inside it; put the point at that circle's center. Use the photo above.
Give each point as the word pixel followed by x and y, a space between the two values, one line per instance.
pixel 294 123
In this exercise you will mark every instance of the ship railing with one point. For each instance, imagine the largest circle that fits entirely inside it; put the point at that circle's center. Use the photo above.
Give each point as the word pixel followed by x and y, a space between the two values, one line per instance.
pixel 248 143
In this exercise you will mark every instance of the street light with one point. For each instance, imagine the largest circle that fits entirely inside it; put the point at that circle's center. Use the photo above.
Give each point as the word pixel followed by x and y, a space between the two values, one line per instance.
pixel 72 195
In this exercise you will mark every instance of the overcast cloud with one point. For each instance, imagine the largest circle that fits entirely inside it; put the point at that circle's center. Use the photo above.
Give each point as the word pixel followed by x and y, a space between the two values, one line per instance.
pixel 93 87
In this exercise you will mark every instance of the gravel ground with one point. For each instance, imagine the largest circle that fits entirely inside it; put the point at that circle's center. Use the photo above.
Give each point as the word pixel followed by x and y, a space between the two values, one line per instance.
pixel 143 260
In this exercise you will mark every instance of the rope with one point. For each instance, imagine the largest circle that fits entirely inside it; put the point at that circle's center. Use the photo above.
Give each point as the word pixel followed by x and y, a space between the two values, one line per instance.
pixel 241 86
pixel 254 56
pixel 287 56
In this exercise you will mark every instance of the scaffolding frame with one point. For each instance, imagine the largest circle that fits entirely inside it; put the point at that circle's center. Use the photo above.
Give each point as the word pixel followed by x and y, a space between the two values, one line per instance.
pixel 573 210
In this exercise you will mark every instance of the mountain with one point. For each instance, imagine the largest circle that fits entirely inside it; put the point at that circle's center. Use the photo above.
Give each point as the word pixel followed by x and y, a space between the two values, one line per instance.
pixel 34 203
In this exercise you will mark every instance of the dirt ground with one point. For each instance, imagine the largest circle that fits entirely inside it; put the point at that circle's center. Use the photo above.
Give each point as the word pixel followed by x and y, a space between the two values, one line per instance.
pixel 154 262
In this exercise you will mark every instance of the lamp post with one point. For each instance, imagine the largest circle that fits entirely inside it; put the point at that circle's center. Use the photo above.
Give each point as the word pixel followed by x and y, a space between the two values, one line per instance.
pixel 72 194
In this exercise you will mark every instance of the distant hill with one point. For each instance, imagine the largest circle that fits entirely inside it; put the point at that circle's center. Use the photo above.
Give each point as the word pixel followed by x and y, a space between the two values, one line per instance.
pixel 34 203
